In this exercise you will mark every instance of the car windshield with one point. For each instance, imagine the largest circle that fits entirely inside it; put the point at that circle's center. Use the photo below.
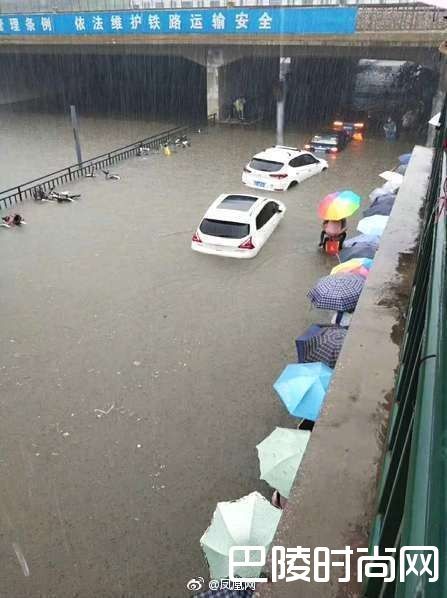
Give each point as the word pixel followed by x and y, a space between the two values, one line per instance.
pixel 225 229
pixel 266 165
pixel 326 139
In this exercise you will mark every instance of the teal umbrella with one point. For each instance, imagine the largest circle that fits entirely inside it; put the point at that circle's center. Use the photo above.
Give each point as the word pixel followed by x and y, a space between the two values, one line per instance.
pixel 249 521
pixel 302 387
pixel 280 456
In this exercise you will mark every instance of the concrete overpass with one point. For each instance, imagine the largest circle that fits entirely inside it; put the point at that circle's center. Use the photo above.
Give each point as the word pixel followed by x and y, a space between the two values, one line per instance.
pixel 395 32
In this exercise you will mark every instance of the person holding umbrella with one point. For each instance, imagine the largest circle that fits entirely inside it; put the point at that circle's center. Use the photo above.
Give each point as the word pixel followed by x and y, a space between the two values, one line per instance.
pixel 333 210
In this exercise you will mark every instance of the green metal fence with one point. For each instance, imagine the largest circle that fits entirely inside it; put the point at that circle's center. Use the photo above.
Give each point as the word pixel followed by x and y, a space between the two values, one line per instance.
pixel 412 501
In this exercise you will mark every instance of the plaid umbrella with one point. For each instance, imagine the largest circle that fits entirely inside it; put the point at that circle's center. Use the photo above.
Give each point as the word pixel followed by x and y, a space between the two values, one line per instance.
pixel 359 250
pixel 339 293
pixel 321 343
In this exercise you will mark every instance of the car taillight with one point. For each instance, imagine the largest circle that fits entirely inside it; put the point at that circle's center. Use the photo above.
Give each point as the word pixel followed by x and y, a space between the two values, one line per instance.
pixel 338 123
pixel 247 169
pixel 333 150
pixel 278 176
pixel 248 244
pixel 196 238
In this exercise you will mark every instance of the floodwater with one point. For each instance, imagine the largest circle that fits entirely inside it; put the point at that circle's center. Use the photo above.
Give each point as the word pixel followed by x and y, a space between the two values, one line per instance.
pixel 136 375
pixel 35 143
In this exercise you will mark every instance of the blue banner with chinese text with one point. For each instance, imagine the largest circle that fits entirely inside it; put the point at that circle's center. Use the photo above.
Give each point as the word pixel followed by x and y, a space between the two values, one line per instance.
pixel 232 21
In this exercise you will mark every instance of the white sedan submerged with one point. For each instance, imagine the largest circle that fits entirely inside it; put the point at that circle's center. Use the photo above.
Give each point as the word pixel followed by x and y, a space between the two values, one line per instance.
pixel 237 225
pixel 279 168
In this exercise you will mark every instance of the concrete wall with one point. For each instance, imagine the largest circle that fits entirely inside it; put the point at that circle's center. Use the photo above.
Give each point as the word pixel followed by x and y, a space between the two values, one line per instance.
pixel 333 499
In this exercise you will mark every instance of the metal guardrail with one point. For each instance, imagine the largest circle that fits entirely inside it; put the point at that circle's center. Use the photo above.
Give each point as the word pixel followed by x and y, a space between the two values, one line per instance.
pixel 14 195
pixel 399 18
pixel 412 506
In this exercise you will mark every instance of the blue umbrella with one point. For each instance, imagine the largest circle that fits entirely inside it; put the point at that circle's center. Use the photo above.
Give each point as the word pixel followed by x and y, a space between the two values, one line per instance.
pixel 320 343
pixel 339 293
pixel 380 207
pixel 302 388
pixel 368 239
pixel 358 250
pixel 405 158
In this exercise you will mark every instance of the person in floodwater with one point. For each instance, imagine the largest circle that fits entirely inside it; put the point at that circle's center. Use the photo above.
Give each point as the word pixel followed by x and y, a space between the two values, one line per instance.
pixel 11 220
pixel 239 107
pixel 333 229
pixel 390 129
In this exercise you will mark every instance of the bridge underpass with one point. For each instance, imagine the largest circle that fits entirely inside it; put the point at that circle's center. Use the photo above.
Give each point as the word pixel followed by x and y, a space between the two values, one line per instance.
pixel 129 81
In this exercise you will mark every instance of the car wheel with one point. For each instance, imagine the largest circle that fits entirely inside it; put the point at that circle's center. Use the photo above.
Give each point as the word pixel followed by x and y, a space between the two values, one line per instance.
pixel 324 168
pixel 292 184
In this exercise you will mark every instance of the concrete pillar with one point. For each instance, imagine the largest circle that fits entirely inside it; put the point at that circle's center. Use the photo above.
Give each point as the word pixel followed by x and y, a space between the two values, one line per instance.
pixel 214 64
pixel 212 90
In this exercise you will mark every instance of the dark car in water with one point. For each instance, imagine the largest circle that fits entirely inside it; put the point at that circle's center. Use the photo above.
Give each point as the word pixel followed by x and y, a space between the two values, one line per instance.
pixel 354 124
pixel 330 142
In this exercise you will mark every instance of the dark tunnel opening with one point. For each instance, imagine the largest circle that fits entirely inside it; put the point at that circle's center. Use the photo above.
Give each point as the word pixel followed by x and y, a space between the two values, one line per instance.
pixel 129 85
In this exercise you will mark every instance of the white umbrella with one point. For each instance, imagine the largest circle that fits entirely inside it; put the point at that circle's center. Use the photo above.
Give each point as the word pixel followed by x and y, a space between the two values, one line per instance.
pixel 392 176
pixel 373 225
pixel 280 456
pixel 249 521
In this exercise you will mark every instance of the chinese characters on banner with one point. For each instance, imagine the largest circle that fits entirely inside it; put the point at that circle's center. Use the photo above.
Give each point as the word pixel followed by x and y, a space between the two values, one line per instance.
pixel 231 21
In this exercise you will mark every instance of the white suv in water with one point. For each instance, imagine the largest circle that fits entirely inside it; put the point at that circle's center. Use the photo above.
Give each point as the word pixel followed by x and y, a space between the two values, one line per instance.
pixel 237 225
pixel 278 168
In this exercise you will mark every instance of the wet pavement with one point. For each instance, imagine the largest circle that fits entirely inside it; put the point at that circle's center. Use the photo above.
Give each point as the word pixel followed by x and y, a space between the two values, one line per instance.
pixel 136 375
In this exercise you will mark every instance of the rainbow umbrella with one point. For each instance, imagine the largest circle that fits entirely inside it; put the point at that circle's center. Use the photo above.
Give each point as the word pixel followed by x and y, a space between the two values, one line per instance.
pixel 338 205
pixel 359 265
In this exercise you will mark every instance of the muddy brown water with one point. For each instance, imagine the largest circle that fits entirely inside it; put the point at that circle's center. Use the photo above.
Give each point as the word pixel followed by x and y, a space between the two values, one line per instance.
pixel 136 375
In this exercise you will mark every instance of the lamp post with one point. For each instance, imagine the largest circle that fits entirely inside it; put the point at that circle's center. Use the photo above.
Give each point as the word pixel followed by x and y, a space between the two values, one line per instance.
pixel 75 126
pixel 284 66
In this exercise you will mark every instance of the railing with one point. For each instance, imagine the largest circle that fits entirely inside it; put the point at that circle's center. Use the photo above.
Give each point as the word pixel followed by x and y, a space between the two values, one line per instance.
pixel 11 196
pixel 399 18
pixel 412 505
pixel 42 6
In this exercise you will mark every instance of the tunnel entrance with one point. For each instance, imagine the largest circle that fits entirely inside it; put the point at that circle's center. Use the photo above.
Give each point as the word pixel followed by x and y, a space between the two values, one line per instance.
pixel 322 89
pixel 129 85
pixel 317 88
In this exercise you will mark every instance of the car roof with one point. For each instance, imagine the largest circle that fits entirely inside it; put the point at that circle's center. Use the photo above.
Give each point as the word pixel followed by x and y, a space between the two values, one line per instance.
pixel 328 134
pixel 243 203
pixel 279 153
pixel 234 214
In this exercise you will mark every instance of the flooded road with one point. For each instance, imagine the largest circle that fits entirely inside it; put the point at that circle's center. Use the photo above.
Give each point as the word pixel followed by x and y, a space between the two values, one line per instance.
pixel 136 374
pixel 35 143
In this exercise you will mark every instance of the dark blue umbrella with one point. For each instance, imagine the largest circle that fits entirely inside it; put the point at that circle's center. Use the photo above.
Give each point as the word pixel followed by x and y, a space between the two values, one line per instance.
pixel 358 250
pixel 387 197
pixel 339 293
pixel 321 343
pixel 380 208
